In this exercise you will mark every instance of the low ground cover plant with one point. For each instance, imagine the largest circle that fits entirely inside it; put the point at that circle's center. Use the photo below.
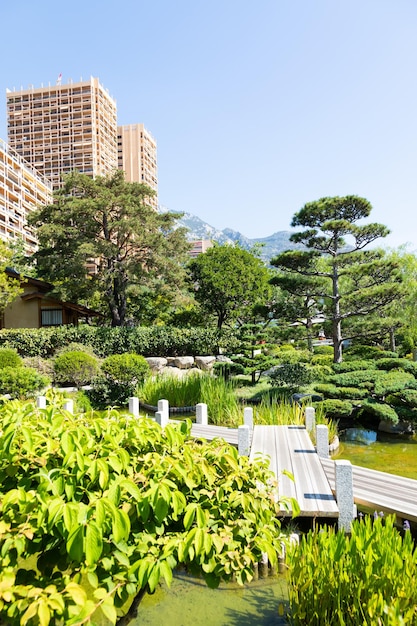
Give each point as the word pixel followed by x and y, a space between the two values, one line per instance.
pixel 367 577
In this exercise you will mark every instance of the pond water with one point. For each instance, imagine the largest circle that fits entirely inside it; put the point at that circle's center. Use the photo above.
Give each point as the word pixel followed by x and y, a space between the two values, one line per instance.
pixel 395 454
pixel 189 602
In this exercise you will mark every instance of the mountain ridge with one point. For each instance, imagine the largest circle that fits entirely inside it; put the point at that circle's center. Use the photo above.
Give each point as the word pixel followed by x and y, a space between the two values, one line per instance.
pixel 270 246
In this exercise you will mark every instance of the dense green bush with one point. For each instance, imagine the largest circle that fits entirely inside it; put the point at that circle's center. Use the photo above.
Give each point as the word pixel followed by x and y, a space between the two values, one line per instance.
pixel 341 393
pixel 335 409
pixel 9 358
pixel 105 341
pixel 402 364
pixel 75 368
pixel 41 365
pixel 354 366
pixel 118 380
pixel 367 577
pixel 378 410
pixel 21 382
pixel 368 352
pixel 291 375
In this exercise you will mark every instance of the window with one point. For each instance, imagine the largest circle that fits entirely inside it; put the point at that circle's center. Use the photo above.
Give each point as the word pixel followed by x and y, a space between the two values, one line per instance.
pixel 51 317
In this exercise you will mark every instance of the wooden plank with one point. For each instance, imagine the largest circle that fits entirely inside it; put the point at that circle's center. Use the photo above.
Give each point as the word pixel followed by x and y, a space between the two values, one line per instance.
pixel 212 432
pixel 379 490
pixel 290 449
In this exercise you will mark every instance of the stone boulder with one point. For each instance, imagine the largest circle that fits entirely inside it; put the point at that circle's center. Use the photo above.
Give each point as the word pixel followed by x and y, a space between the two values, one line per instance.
pixel 205 362
pixel 156 363
pixel 182 362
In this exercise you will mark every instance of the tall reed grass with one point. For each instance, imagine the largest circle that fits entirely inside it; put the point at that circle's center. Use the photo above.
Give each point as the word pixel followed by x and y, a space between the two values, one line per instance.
pixel 219 395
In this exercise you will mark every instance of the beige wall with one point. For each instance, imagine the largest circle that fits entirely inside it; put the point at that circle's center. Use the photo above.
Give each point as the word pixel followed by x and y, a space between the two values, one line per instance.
pixel 22 314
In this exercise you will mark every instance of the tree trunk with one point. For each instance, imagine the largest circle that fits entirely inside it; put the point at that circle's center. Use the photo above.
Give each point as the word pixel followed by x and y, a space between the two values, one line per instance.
pixel 392 340
pixel 336 319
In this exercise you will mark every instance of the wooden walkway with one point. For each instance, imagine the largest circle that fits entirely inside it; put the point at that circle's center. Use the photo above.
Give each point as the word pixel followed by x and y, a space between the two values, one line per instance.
pixel 380 491
pixel 212 432
pixel 290 449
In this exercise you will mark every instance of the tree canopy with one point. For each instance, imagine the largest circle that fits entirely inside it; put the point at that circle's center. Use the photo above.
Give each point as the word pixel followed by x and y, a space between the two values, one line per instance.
pixel 356 282
pixel 106 225
pixel 9 286
pixel 228 282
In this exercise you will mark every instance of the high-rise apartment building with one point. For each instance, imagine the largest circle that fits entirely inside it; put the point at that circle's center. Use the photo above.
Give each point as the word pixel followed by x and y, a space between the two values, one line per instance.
pixel 62 128
pixel 22 190
pixel 136 150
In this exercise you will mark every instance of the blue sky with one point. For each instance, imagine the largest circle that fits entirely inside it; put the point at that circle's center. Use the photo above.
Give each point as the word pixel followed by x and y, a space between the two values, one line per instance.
pixel 257 107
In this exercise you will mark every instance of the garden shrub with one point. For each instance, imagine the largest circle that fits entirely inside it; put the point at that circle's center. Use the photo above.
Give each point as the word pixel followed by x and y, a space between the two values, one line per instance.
pixel 75 368
pixel 21 382
pixel 105 341
pixel 404 364
pixel 390 382
pixel 10 358
pixel 324 350
pixel 41 365
pixel 367 576
pixel 378 410
pixel 335 409
pixel 322 359
pixel 403 397
pixel 292 375
pixel 348 393
pixel 354 366
pixel 119 376
pixel 368 352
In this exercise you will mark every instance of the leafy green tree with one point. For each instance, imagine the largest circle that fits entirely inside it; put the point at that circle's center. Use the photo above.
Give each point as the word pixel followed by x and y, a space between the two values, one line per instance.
pixel 9 286
pixel 228 283
pixel 95 512
pixel 360 282
pixel 105 224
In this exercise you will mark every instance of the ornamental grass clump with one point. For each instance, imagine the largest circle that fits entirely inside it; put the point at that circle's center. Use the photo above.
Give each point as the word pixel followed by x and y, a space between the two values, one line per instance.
pixel 368 577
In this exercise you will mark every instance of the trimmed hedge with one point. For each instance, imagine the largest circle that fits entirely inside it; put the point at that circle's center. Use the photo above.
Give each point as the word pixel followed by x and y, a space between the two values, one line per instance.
pixel 147 341
pixel 10 358
pixel 21 382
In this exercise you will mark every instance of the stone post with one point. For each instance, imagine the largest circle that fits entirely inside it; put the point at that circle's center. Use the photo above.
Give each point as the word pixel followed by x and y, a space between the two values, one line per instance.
pixel 161 418
pixel 243 439
pixel 248 417
pixel 69 406
pixel 134 406
pixel 322 440
pixel 41 402
pixel 344 493
pixel 201 416
pixel 163 407
pixel 310 418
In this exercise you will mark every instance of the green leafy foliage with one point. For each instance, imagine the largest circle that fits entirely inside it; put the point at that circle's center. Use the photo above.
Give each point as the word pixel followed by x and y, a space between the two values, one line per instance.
pixel 75 367
pixel 366 577
pixel 119 377
pixel 10 358
pixel 291 375
pixel 229 282
pixel 95 510
pixel 147 341
pixel 21 382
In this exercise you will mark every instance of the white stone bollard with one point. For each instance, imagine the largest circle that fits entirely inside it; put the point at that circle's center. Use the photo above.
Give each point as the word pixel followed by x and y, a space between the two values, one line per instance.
pixel 163 407
pixel 161 418
pixel 134 406
pixel 41 402
pixel 310 418
pixel 344 494
pixel 69 406
pixel 248 417
pixel 243 440
pixel 322 440
pixel 201 416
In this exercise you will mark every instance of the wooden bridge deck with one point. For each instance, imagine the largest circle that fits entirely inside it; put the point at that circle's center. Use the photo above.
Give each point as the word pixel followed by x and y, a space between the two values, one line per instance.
pixel 290 449
pixel 379 490
pixel 212 432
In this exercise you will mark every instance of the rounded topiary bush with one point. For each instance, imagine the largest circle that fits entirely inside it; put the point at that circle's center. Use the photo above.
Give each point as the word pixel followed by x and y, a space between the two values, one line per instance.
pixel 75 368
pixel 10 358
pixel 21 382
pixel 126 368
pixel 336 409
pixel 119 377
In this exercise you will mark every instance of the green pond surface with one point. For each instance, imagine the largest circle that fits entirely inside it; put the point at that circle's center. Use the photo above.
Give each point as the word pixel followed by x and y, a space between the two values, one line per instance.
pixel 189 602
pixel 393 454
